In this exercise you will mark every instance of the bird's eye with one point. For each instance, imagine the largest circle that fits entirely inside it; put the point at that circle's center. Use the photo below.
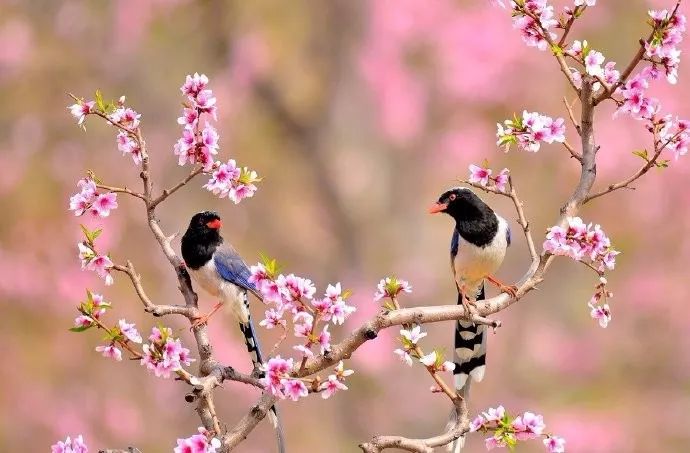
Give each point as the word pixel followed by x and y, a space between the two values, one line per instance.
pixel 453 197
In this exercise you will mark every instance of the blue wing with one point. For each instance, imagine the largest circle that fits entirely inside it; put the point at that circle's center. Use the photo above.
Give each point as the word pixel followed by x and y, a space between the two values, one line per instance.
pixel 232 268
pixel 508 234
pixel 454 243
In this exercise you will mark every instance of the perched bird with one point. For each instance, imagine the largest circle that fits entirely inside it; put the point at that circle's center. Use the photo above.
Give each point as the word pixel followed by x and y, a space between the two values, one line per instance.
pixel 477 248
pixel 221 272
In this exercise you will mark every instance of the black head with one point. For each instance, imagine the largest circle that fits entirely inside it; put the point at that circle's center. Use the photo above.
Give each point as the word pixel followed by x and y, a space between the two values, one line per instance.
pixel 201 238
pixel 461 203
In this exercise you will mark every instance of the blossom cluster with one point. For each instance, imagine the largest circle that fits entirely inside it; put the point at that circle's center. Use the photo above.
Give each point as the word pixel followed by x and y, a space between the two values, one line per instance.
pixel 88 199
pixel 592 61
pixel 164 354
pixel 529 130
pixel 390 287
pixel 229 180
pixel 196 144
pixel 507 430
pixel 482 176
pixel 279 381
pixel 534 19
pixel 433 361
pixel 674 135
pixel 290 294
pixel 599 309
pixel 203 442
pixel 69 445
pixel 91 260
pixel 581 242
pixel 90 310
pixel 663 47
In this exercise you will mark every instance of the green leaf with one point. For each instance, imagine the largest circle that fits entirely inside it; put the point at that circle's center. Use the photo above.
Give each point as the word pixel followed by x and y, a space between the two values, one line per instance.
pixel 661 163
pixel 80 328
pixel 99 101
pixel 642 153
pixel 556 49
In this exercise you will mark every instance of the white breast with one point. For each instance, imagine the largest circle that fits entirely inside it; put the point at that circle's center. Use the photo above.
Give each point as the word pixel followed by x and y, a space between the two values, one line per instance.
pixel 472 264
pixel 228 293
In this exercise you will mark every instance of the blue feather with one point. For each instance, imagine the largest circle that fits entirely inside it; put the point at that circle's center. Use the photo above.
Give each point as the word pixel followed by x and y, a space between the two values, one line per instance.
pixel 232 268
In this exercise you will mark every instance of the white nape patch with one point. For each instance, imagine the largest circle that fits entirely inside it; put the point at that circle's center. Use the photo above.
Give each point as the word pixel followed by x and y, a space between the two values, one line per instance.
pixel 478 373
pixel 231 295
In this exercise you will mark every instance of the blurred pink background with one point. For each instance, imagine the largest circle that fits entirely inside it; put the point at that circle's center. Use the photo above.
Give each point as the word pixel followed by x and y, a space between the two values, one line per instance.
pixel 357 114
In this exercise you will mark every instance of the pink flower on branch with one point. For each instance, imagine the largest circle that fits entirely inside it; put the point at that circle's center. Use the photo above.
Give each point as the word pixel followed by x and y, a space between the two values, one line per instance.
pixel 391 287
pixel 482 176
pixel 554 444
pixel 81 109
pixel 198 443
pixel 110 351
pixel 89 200
pixel 529 130
pixel 164 354
pixel 69 445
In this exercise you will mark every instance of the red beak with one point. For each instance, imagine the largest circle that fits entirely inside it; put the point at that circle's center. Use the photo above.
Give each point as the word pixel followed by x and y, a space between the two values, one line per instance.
pixel 437 207
pixel 214 224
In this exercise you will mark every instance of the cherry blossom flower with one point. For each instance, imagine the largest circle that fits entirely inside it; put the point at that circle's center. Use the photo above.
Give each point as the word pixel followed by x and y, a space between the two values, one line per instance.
pixel 230 181
pixel 529 130
pixel 534 32
pixel 209 138
pixel 198 443
pixel 593 62
pixel 581 242
pixel 81 109
pixel 477 423
pixel 501 179
pixel 101 265
pixel 492 442
pixel 585 2
pixel 674 135
pixel 601 313
pixel 331 386
pixel 129 331
pixel 274 318
pixel 294 288
pixel 554 444
pixel 189 118
pixel 83 321
pixel 69 445
pixel 127 145
pixel 294 389
pixel 110 351
pixel 194 84
pixel 404 356
pixel 479 175
pixel 413 335
pixel 496 414
pixel 276 371
pixel 663 47
pixel 429 359
pixel 528 426
pixel 103 204
pixel 163 354
pixel 391 287
pixel 125 116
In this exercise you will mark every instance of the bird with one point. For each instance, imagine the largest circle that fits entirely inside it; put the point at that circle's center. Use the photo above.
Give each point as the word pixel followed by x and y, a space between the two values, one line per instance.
pixel 218 269
pixel 477 249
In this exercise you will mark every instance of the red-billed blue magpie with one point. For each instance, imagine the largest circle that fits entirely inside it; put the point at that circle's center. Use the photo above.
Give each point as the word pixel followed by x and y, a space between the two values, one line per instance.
pixel 220 271
pixel 478 246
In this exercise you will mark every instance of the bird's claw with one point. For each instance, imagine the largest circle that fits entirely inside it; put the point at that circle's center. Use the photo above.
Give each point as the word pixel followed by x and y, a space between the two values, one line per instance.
pixel 199 321
pixel 510 290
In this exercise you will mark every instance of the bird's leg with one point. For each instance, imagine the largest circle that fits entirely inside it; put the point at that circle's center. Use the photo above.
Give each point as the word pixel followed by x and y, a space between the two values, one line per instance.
pixel 469 304
pixel 203 319
pixel 510 289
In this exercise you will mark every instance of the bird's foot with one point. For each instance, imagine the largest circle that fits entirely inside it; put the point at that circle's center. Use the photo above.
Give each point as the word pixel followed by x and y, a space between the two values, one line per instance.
pixel 469 305
pixel 203 319
pixel 508 289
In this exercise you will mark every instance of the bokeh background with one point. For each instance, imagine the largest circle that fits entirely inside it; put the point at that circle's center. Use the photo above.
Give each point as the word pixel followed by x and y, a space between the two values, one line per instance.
pixel 357 113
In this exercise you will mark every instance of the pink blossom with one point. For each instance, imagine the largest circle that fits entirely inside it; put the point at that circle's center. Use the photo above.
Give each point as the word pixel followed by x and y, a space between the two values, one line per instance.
pixel 528 426
pixel 501 179
pixel 158 334
pixel 331 386
pixel 529 130
pixel 447 366
pixel 206 103
pixel 404 356
pixel 324 339
pixel 554 444
pixel 492 442
pixel 128 145
pixel 664 45
pixel 129 331
pixel 479 175
pixel 163 354
pixel 413 335
pixel 83 321
pixel 580 242
pixel 429 359
pixel 585 2
pixel 276 369
pixel 341 372
pixel 125 117
pixel 194 84
pixel 209 138
pixel 81 109
pixel 274 318
pixel 339 311
pixel 294 288
pixel 76 445
pixel 294 389
pixel 601 313
pixel 492 414
pixel 477 424
pixel 103 204
pixel 101 264
pixel 198 443
pixel 110 351
pixel 593 62
pixel 391 287
pixel 189 118
pixel 611 75
pixel 304 350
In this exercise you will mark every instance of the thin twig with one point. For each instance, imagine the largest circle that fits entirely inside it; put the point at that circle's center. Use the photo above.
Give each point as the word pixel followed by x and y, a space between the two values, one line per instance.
pixel 167 192
pixel 569 108
pixel 121 190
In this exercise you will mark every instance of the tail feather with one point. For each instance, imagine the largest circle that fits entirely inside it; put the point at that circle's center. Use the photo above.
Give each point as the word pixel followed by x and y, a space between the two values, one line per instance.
pixel 254 349
pixel 470 359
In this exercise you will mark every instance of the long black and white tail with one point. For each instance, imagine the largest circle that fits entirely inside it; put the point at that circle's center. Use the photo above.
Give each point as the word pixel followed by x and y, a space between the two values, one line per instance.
pixel 254 349
pixel 469 357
